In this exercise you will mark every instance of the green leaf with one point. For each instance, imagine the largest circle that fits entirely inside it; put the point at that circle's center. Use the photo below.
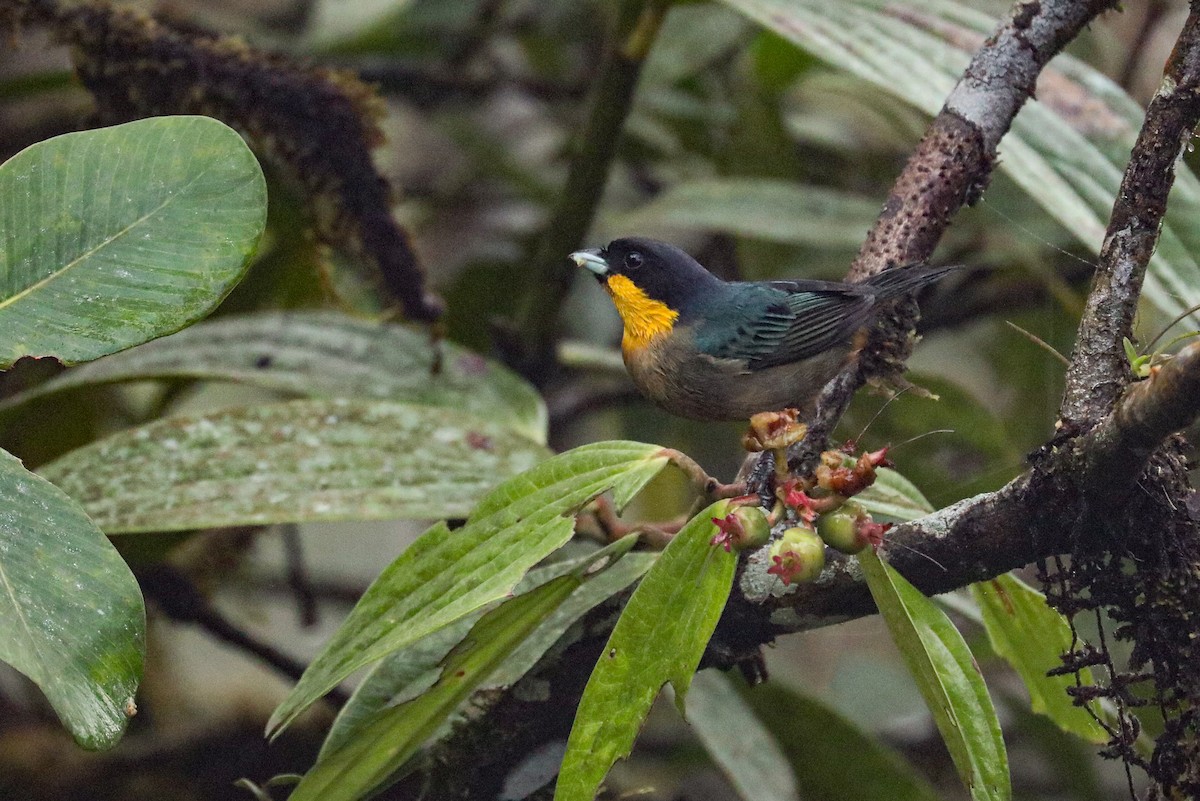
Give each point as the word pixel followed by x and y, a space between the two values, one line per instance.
pixel 302 460
pixel 321 354
pixel 594 592
pixel 942 666
pixel 396 679
pixel 445 575
pixel 385 742
pixel 831 758
pixel 120 235
pixel 893 497
pixel 777 211
pixel 407 673
pixel 1031 636
pixel 1067 149
pixel 659 638
pixel 71 614
pixel 737 741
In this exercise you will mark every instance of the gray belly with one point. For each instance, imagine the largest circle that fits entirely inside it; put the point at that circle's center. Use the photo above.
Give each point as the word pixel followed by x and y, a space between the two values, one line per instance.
pixel 703 388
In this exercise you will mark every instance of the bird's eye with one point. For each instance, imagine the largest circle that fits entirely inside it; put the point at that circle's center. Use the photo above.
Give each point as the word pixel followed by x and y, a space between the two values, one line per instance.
pixel 633 261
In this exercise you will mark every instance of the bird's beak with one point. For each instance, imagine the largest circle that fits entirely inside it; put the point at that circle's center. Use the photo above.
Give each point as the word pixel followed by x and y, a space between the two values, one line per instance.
pixel 592 260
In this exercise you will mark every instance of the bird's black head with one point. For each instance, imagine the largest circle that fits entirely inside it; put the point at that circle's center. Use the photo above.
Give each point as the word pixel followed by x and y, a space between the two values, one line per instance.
pixel 662 271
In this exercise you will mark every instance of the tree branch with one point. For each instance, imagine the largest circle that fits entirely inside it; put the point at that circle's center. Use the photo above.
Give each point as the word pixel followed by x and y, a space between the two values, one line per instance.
pixel 953 162
pixel 1148 412
pixel 1099 370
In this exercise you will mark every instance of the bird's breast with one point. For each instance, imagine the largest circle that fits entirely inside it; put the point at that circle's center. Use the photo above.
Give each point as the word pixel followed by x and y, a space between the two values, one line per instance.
pixel 644 319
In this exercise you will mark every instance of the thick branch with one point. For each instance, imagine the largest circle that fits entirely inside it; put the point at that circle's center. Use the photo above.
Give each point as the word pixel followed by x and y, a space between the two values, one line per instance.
pixel 953 162
pixel 973 540
pixel 1099 369
pixel 1150 410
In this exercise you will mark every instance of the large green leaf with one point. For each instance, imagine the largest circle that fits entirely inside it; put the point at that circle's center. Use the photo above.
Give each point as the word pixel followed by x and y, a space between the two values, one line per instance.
pixel 386 741
pixel 774 210
pixel 659 638
pixel 117 236
pixel 301 460
pixel 945 672
pixel 445 575
pixel 396 679
pixel 747 753
pixel 831 758
pixel 1031 636
pixel 407 673
pixel 409 697
pixel 1067 149
pixel 321 354
pixel 71 614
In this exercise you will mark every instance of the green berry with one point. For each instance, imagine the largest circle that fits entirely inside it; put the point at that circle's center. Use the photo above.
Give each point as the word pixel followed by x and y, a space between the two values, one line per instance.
pixel 755 528
pixel 744 527
pixel 798 555
pixel 840 528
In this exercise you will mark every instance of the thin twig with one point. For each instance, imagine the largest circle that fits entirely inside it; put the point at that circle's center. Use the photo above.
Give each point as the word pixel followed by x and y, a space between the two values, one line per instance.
pixel 297 575
pixel 1153 14
pixel 1041 343
pixel 178 598
pixel 706 484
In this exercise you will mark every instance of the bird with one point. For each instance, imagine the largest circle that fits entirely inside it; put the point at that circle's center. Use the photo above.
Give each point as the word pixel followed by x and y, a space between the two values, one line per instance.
pixel 714 350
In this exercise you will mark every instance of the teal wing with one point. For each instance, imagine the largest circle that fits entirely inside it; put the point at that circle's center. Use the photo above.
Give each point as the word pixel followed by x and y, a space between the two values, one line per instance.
pixel 794 321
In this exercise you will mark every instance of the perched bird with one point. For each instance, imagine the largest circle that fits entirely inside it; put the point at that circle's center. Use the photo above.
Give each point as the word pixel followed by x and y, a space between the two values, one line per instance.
pixel 709 349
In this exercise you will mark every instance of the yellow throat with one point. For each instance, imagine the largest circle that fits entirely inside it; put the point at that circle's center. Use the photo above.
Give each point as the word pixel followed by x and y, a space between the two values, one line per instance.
pixel 644 317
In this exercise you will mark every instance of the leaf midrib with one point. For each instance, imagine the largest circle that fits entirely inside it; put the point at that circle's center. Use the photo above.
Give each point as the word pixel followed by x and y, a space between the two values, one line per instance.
pixel 33 641
pixel 102 244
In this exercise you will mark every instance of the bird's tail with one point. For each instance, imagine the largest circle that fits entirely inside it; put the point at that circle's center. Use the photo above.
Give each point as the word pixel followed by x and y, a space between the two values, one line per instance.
pixel 903 280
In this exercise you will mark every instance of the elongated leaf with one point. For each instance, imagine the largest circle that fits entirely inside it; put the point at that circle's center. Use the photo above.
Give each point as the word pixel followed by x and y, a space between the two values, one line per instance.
pixel 386 741
pixel 71 614
pixel 445 575
pixel 893 497
pixel 738 742
pixel 296 461
pixel 1067 149
pixel 321 354
pixel 777 211
pixel 659 638
pixel 407 673
pixel 948 678
pixel 396 679
pixel 594 592
pixel 120 235
pixel 831 758
pixel 1031 636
